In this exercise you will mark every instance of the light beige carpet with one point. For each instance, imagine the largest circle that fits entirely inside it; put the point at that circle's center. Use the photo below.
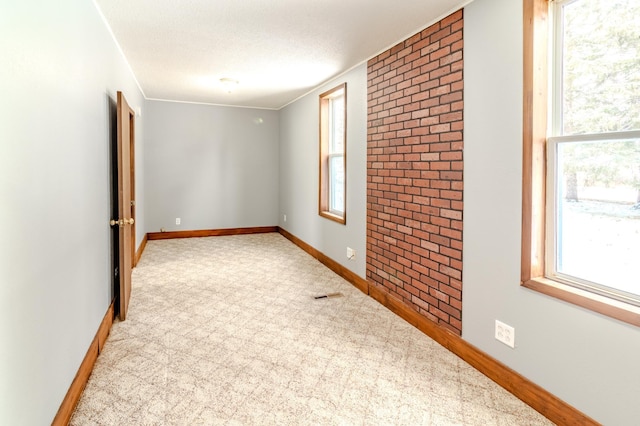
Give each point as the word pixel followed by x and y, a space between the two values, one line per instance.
pixel 226 330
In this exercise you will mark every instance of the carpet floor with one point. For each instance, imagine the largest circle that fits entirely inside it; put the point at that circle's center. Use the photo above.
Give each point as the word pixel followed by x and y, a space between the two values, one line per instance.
pixel 226 330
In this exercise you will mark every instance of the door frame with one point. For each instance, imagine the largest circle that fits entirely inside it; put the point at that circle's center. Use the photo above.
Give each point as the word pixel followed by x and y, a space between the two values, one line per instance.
pixel 132 185
pixel 125 123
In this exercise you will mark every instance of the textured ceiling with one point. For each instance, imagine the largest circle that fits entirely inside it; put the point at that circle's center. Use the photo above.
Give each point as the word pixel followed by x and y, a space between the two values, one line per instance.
pixel 278 50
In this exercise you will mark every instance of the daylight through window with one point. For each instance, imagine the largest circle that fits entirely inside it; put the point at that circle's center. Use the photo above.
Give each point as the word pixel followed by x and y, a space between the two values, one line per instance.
pixel 333 141
pixel 581 153
pixel 593 164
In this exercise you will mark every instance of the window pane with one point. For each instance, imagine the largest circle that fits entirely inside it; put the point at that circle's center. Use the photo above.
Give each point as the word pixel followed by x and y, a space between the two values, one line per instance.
pixel 336 123
pixel 600 66
pixel 598 213
pixel 336 187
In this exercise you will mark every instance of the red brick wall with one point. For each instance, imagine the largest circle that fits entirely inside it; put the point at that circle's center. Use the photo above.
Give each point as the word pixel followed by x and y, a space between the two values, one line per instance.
pixel 414 172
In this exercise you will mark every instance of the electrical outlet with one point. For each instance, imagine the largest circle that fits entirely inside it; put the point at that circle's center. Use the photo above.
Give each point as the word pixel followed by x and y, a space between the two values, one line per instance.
pixel 351 253
pixel 285 217
pixel 506 334
pixel 177 221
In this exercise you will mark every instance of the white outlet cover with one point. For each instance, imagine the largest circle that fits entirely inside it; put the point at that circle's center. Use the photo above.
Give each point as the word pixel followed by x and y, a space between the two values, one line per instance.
pixel 505 334
pixel 177 221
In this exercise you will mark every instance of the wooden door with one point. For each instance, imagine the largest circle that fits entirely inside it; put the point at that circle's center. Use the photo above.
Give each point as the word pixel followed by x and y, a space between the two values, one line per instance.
pixel 132 169
pixel 125 125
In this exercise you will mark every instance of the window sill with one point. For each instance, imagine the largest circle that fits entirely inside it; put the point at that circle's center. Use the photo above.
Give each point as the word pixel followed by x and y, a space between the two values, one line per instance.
pixel 334 217
pixel 603 305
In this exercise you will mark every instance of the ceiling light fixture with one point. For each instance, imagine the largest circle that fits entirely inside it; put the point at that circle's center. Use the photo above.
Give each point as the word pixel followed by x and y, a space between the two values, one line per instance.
pixel 229 84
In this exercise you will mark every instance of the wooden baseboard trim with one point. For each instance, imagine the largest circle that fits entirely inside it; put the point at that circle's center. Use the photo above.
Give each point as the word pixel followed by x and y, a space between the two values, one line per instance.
pixel 533 395
pixel 210 232
pixel 345 273
pixel 140 250
pixel 74 393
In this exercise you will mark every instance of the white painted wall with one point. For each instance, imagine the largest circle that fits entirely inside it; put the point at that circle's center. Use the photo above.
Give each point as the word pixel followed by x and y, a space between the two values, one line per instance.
pixel 299 176
pixel 59 74
pixel 213 167
pixel 586 359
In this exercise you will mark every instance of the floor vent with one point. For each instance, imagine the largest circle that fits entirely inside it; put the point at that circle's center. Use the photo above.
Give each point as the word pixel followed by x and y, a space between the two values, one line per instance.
pixel 328 296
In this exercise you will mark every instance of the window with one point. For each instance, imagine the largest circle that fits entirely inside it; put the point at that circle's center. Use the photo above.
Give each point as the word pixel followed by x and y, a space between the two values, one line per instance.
pixel 333 144
pixel 581 182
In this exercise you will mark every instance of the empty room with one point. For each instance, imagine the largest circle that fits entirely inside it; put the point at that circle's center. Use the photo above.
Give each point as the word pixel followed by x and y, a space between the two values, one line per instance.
pixel 320 213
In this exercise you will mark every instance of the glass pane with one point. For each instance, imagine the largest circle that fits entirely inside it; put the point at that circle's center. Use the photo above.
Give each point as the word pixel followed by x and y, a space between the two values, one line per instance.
pixel 336 178
pixel 336 123
pixel 598 213
pixel 601 59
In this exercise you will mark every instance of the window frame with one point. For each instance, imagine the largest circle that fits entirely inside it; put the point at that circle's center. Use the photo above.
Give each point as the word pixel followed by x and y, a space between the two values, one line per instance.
pixel 534 180
pixel 326 155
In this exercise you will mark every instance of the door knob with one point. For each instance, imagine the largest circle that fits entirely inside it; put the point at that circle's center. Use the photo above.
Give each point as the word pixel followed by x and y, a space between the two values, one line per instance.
pixel 121 222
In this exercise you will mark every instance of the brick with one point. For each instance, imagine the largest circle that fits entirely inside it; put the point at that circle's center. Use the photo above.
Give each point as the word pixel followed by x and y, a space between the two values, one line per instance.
pixel 440 53
pixel 439 258
pixel 407 50
pixel 428 67
pixel 450 97
pixel 420 62
pixel 446 307
pixel 451 195
pixel 428 31
pixel 453 273
pixel 451 214
pixel 451 155
pixel 451 136
pixel 452 233
pixel 456 284
pixel 445 31
pixel 428 103
pixel 414 171
pixel 456 264
pixel 456 26
pixel 397 48
pixel 456 66
pixel 442 90
pixel 453 37
pixel 457 86
pixel 450 78
pixel 430 246
pixel 419 302
pixel 404 290
pixel 454 17
pixel 440 75
pixel 440 278
pixel 426 46
pixel 441 315
pixel 412 40
pixel 427 122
